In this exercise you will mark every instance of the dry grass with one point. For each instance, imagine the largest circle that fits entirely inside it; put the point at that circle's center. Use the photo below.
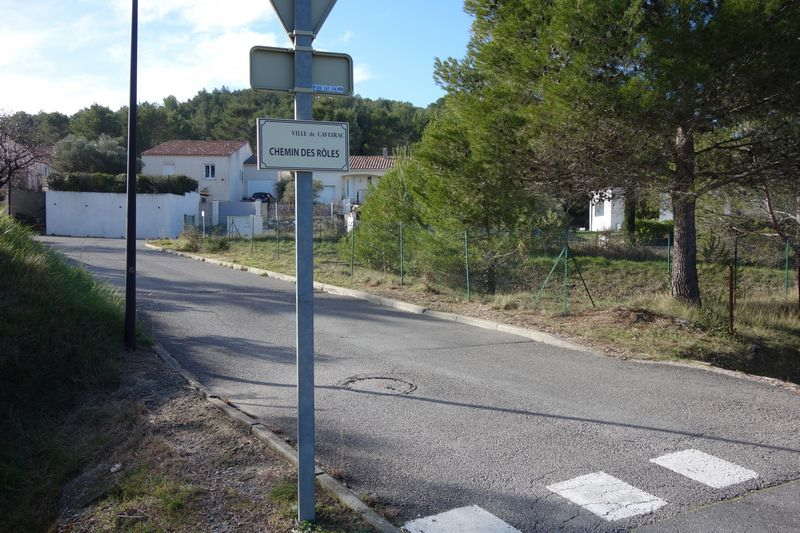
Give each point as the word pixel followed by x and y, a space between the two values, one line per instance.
pixel 171 462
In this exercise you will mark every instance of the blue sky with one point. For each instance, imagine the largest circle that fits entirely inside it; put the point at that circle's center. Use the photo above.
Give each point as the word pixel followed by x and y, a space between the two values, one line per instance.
pixel 64 56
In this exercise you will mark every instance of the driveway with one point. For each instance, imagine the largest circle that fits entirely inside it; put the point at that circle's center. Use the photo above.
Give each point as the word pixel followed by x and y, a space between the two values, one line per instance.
pixel 428 416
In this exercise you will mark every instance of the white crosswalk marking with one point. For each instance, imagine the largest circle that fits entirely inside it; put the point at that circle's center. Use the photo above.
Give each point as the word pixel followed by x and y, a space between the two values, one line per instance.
pixel 607 497
pixel 471 519
pixel 707 469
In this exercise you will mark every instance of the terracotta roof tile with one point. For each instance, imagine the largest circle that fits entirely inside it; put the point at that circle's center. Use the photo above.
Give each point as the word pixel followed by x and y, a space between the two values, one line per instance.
pixel 357 162
pixel 371 162
pixel 198 148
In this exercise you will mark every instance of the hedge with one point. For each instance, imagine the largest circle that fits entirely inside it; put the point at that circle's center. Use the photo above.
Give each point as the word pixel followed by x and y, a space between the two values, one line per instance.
pixel 115 183
pixel 653 231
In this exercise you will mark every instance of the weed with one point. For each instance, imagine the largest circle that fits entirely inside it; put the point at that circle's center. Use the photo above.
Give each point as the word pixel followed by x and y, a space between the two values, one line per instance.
pixel 217 244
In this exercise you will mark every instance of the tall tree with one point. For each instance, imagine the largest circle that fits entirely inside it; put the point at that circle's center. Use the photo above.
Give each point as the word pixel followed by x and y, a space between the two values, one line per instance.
pixel 96 120
pixel 51 127
pixel 76 154
pixel 673 94
pixel 18 149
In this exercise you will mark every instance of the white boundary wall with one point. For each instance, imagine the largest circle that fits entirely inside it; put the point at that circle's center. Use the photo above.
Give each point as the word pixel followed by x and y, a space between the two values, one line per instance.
pixel 91 214
pixel 245 226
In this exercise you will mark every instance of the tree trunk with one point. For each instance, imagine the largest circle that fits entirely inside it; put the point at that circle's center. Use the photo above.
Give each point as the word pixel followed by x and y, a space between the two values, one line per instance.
pixel 631 201
pixel 684 272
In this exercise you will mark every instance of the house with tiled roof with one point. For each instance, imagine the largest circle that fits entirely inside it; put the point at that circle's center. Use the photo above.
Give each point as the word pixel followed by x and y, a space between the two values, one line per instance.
pixel 218 166
pixel 365 172
pixel 350 187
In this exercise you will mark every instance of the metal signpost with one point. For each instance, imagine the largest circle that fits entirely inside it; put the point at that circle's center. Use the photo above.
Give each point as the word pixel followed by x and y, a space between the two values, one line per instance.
pixel 303 146
pixel 130 259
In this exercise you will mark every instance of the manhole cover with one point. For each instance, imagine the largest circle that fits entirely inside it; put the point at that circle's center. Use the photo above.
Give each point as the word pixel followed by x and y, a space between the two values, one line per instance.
pixel 382 384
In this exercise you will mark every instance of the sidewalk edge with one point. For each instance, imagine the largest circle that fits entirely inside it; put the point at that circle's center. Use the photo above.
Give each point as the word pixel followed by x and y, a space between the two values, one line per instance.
pixel 253 426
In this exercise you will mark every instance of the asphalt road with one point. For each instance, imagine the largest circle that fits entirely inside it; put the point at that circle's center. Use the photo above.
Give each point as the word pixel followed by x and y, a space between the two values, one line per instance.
pixel 493 420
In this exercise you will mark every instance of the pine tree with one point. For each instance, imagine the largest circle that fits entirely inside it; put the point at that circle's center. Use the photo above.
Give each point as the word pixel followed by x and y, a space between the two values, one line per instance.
pixel 679 95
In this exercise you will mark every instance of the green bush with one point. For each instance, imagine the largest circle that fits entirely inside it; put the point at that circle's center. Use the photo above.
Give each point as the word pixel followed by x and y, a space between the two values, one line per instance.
pixel 652 232
pixel 217 244
pixel 116 183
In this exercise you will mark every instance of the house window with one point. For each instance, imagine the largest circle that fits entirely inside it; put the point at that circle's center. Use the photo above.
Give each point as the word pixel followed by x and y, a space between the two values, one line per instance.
pixel 211 172
pixel 600 209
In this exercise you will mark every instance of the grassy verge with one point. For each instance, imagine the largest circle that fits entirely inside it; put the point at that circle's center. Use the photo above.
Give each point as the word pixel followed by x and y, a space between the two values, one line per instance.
pixel 94 440
pixel 634 315
pixel 174 463
pixel 59 336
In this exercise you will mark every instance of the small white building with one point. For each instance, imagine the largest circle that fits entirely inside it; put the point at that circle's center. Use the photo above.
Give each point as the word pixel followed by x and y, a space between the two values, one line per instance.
pixel 349 187
pixel 607 210
pixel 256 180
pixel 218 166
pixel 352 187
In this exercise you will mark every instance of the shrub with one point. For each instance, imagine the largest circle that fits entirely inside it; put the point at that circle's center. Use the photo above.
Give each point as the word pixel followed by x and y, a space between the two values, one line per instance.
pixel 217 244
pixel 116 183
pixel 189 241
pixel 165 185
pixel 652 232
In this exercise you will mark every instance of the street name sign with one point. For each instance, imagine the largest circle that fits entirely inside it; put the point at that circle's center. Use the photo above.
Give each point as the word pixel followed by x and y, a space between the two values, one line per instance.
pixel 320 9
pixel 272 69
pixel 303 145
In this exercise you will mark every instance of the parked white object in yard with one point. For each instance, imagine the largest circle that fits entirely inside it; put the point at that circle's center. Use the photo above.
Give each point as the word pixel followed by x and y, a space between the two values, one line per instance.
pixel 607 211
pixel 91 214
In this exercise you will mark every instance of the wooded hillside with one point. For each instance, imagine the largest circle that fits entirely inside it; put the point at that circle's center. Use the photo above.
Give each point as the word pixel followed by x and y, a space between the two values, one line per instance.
pixel 226 114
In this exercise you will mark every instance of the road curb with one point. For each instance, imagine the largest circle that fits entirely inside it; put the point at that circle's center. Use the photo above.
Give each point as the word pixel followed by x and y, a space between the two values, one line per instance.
pixel 254 427
pixel 538 336
pixel 532 334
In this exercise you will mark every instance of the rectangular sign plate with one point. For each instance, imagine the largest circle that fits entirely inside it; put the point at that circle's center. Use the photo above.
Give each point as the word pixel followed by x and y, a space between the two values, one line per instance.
pixel 272 69
pixel 303 145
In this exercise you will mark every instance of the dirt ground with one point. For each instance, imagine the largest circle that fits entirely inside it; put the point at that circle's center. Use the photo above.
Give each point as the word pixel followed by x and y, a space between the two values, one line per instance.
pixel 168 461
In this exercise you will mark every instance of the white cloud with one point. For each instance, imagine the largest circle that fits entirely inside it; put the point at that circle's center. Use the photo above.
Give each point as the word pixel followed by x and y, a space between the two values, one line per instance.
pixel 32 93
pixel 347 36
pixel 183 68
pixel 81 55
pixel 202 15
pixel 17 45
pixel 362 73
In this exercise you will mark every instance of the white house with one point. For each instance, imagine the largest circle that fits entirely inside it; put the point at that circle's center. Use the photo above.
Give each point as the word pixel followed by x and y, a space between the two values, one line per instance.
pixel 218 166
pixel 607 210
pixel 258 180
pixel 353 186
pixel 338 187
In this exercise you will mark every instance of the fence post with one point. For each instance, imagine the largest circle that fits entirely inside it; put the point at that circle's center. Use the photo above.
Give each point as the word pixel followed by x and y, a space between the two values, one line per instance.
pixel 252 233
pixel 203 217
pixel 732 287
pixel 353 252
pixel 402 257
pixel 786 270
pixel 669 263
pixel 566 278
pixel 466 264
